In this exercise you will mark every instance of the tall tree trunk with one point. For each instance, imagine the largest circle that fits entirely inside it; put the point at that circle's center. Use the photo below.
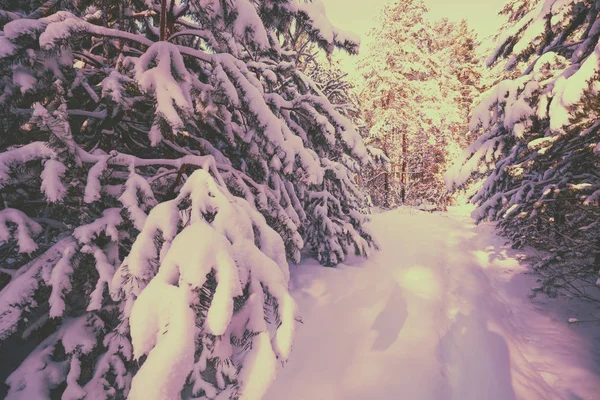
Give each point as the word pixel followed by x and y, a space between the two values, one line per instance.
pixel 403 171
pixel 163 20
pixel 597 257
pixel 386 187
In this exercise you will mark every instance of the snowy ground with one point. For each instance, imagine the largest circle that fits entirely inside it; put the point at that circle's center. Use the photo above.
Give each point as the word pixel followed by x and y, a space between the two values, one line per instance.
pixel 441 312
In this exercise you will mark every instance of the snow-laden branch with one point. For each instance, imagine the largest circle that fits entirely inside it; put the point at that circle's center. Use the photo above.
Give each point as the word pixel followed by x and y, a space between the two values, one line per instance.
pixel 25 229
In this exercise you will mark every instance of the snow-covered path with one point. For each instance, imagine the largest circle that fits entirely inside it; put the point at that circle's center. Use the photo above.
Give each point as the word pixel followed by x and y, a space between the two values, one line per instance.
pixel 441 312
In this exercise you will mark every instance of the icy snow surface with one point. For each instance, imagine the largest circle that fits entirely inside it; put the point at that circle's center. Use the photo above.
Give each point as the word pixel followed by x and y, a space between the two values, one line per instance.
pixel 441 312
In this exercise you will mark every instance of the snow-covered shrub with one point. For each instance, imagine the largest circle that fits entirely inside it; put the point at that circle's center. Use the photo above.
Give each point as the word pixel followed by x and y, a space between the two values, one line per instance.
pixel 154 190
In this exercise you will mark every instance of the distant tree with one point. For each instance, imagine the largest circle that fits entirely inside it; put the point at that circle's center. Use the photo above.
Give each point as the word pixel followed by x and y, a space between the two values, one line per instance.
pixel 457 43
pixel 413 102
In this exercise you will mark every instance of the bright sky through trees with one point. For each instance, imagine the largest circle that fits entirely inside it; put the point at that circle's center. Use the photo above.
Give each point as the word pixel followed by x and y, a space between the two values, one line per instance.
pixel 358 16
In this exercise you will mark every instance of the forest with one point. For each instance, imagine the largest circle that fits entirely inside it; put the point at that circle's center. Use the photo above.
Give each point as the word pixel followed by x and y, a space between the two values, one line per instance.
pixel 199 200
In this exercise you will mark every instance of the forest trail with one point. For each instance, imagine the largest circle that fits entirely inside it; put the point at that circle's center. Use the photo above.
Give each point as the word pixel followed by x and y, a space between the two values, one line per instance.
pixel 440 313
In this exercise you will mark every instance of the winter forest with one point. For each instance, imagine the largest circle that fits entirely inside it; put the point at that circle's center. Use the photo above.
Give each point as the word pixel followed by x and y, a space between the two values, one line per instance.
pixel 240 199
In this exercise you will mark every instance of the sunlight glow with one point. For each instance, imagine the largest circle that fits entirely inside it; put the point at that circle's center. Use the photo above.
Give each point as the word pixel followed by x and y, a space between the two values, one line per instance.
pixel 420 281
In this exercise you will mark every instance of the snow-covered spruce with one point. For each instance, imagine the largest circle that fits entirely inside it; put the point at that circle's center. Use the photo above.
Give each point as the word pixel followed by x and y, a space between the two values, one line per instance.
pixel 538 152
pixel 154 190
pixel 211 245
pixel 342 92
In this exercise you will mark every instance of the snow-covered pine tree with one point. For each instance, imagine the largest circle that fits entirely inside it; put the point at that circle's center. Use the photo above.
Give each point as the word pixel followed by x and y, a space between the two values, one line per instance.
pixel 335 84
pixel 343 94
pixel 539 146
pixel 411 105
pixel 457 42
pixel 161 162
pixel 325 70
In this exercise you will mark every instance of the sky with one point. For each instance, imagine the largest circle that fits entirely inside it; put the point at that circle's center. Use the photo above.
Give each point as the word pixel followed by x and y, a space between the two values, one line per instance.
pixel 357 16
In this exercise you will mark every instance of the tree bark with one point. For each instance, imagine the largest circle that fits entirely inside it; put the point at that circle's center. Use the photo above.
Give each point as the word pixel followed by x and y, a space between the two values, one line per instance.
pixel 163 20
pixel 386 187
pixel 403 171
pixel 597 257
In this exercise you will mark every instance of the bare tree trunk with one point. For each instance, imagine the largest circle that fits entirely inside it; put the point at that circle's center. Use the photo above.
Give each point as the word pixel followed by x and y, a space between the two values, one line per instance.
pixel 597 257
pixel 386 187
pixel 403 171
pixel 163 20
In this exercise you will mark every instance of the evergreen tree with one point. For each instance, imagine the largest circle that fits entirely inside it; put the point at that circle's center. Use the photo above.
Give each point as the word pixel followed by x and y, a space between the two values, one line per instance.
pixel 457 43
pixel 538 151
pixel 343 95
pixel 412 102
pixel 161 162
pixel 335 84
